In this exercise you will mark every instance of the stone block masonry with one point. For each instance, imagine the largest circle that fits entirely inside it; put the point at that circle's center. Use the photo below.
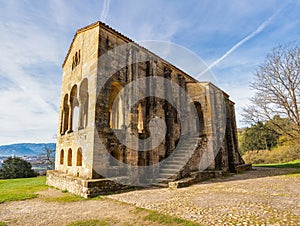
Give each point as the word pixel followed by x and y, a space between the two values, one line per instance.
pixel 102 133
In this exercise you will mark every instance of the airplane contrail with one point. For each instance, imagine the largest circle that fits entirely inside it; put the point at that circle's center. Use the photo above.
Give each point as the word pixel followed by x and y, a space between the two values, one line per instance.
pixel 247 38
pixel 105 10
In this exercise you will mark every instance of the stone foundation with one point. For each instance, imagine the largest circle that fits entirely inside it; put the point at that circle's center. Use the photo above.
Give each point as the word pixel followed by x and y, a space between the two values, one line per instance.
pixel 243 167
pixel 82 187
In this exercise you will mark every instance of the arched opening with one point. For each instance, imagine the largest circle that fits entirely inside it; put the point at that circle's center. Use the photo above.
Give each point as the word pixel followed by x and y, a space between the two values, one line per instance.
pixel 79 157
pixel 61 158
pixel 84 103
pixel 73 63
pixel 70 157
pixel 76 58
pixel 75 118
pixel 200 122
pixel 140 118
pixel 115 106
pixel 79 56
pixel 64 116
pixel 117 155
pixel 74 109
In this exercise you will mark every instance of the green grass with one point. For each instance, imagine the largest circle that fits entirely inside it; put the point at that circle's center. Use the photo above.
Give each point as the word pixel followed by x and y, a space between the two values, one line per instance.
pixel 2 224
pixel 89 223
pixel 21 189
pixel 67 197
pixel 151 216
pixel 292 164
pixel 155 216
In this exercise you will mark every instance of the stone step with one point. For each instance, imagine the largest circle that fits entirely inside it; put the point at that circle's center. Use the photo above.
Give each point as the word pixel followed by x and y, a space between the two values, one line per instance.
pixel 163 180
pixel 169 171
pixel 183 152
pixel 172 162
pixel 178 158
pixel 181 156
pixel 187 145
pixel 161 185
pixel 166 176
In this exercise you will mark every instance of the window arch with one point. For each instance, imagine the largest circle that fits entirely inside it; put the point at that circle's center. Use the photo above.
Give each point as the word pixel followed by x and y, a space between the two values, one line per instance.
pixel 76 59
pixel 74 109
pixel 116 117
pixel 84 103
pixel 61 157
pixel 70 157
pixel 79 157
pixel 200 123
pixel 140 118
pixel 64 116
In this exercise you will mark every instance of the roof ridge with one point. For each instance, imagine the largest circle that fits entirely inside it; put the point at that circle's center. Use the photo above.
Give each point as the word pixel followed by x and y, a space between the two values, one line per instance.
pixel 103 25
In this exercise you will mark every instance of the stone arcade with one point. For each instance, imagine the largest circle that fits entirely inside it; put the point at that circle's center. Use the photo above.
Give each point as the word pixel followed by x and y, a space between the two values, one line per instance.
pixel 91 159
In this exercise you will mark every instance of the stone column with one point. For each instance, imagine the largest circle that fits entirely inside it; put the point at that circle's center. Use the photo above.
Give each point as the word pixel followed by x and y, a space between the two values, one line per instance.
pixel 81 110
pixel 70 122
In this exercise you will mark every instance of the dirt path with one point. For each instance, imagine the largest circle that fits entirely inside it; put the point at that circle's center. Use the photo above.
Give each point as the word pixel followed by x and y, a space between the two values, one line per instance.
pixel 263 196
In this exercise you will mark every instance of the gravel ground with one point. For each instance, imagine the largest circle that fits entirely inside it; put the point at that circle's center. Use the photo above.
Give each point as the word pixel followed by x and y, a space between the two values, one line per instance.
pixel 263 196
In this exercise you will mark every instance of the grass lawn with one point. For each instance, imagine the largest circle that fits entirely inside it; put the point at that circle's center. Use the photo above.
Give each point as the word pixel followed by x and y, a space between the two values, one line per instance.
pixel 64 198
pixel 147 217
pixel 21 189
pixel 89 223
pixel 157 217
pixel 293 164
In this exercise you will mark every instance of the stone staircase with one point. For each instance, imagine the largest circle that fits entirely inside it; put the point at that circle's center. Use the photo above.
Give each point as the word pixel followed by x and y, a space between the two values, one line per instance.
pixel 171 168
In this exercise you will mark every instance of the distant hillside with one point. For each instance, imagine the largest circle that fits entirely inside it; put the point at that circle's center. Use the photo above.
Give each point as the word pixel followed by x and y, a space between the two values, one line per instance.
pixel 28 149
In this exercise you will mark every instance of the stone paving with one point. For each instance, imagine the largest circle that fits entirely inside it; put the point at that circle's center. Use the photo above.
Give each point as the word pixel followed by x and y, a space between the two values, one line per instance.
pixel 263 196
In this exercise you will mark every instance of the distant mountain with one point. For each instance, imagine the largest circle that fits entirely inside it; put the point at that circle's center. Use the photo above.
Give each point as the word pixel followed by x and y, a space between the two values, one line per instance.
pixel 28 149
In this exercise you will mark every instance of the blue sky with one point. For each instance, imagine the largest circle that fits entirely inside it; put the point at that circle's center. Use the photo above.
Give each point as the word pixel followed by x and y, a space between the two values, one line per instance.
pixel 232 36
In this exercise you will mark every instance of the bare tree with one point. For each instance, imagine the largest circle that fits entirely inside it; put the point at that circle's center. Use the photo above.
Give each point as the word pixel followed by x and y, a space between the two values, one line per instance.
pixel 49 157
pixel 277 86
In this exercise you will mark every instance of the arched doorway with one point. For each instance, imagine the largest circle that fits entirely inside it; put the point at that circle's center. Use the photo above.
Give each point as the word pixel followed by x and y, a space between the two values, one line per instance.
pixel 116 116
pixel 199 125
pixel 84 103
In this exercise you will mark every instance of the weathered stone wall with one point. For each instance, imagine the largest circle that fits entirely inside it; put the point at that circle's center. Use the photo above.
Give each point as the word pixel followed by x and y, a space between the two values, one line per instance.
pixel 82 187
pixel 73 78
pixel 148 65
pixel 96 54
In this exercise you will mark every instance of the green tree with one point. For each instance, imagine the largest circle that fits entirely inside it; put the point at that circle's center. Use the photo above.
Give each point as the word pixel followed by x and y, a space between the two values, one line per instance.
pixel 258 137
pixel 15 167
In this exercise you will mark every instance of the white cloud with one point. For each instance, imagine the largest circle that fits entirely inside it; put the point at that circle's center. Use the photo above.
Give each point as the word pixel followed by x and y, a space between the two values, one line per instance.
pixel 105 10
pixel 35 36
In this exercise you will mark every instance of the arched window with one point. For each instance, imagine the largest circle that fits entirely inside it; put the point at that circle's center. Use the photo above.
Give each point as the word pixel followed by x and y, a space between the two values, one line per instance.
pixel 64 116
pixel 78 56
pixel 79 157
pixel 74 109
pixel 76 59
pixel 84 103
pixel 115 106
pixel 200 125
pixel 61 158
pixel 140 118
pixel 70 157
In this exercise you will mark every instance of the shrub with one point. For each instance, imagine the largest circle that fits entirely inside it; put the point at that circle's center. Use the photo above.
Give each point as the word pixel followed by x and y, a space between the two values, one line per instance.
pixel 279 154
pixel 15 167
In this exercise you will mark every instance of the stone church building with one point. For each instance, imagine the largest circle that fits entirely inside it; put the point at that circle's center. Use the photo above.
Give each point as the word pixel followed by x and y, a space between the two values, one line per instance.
pixel 130 118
